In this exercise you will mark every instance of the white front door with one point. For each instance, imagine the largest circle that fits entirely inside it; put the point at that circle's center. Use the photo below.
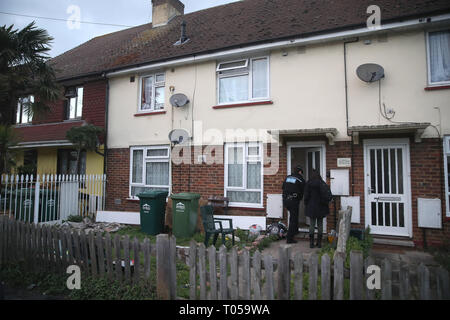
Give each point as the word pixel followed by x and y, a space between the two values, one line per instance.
pixel 387 184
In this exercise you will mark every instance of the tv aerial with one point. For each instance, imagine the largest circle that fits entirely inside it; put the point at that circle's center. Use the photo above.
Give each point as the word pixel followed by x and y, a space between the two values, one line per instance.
pixel 179 100
pixel 370 72
pixel 179 136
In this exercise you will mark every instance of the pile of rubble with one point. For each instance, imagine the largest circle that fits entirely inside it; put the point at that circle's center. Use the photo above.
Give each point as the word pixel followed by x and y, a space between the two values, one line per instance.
pixel 87 226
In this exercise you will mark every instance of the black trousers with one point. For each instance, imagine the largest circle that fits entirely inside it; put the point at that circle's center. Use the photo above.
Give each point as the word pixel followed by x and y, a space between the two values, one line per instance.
pixel 292 207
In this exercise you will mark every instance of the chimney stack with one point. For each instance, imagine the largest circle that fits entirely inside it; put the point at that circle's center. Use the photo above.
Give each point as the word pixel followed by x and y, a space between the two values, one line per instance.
pixel 164 10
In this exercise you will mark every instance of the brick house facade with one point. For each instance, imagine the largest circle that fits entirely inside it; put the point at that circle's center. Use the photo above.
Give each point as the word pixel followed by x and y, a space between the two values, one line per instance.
pixel 427 181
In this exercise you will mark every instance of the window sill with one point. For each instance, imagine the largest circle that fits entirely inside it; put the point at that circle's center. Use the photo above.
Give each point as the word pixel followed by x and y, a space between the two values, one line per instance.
pixel 149 113
pixel 256 208
pixel 132 200
pixel 437 87
pixel 245 104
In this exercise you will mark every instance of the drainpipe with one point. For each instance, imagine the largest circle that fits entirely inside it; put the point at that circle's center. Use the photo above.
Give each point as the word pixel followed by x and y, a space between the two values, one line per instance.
pixel 352 40
pixel 105 151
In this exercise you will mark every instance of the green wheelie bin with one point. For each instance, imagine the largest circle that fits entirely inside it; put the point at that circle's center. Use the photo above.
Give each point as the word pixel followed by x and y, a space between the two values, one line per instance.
pixel 184 214
pixel 153 211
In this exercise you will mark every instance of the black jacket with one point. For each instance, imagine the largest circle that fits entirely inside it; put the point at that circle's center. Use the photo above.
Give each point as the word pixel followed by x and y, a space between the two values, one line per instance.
pixel 314 208
pixel 293 184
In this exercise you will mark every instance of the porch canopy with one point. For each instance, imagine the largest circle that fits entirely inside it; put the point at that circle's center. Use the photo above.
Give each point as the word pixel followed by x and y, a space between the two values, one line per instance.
pixel 45 135
pixel 284 135
pixel 417 129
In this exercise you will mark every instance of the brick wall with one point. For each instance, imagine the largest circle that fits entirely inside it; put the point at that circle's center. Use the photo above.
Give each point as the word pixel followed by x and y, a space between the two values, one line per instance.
pixel 208 180
pixel 94 95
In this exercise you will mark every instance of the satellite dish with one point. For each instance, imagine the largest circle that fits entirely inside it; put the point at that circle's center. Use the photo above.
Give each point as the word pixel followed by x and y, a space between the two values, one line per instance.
pixel 370 72
pixel 179 100
pixel 179 136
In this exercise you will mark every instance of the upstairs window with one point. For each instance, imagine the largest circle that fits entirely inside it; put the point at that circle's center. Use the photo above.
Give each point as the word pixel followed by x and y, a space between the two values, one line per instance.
pixel 439 57
pixel 152 92
pixel 74 103
pixel 243 80
pixel 24 114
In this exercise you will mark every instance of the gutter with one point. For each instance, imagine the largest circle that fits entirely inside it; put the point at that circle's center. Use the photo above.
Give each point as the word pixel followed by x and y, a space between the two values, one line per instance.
pixel 341 35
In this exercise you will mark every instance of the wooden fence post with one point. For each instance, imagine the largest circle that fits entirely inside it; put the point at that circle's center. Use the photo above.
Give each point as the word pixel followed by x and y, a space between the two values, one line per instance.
pixel 202 270
pixel 338 293
pixel 84 252
pixel 118 260
pixel 370 293
pixel 257 275
pixel 137 262
pixel 173 267
pixel 423 275
pixel 268 271
pixel 192 270
pixel 212 272
pixel 147 264
pixel 246 272
pixel 325 277
pixel 313 275
pixel 126 257
pixel 92 254
pixel 108 249
pixel 443 291
pixel 386 280
pixel 163 273
pixel 223 285
pixel 234 273
pixel 356 275
pixel 57 236
pixel 298 276
pixel 2 239
pixel 284 272
pixel 404 288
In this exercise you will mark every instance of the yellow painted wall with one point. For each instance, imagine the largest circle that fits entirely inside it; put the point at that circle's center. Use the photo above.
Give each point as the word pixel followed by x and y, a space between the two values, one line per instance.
pixel 47 161
pixel 94 162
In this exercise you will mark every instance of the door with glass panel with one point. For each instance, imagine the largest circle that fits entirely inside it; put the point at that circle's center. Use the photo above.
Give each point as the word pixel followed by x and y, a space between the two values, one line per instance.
pixel 387 185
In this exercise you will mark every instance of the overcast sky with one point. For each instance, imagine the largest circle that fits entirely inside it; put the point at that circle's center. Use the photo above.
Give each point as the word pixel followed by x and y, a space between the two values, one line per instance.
pixel 69 35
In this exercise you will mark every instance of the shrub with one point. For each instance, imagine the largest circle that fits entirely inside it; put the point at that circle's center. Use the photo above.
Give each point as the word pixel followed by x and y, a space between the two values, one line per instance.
pixel 75 218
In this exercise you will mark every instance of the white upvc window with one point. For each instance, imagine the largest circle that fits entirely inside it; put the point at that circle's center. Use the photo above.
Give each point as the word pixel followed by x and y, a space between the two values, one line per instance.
pixel 24 114
pixel 149 169
pixel 244 174
pixel 447 173
pixel 244 80
pixel 438 45
pixel 75 104
pixel 152 95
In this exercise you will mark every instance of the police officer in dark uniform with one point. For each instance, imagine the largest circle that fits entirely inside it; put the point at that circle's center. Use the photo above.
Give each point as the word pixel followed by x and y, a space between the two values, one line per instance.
pixel 293 187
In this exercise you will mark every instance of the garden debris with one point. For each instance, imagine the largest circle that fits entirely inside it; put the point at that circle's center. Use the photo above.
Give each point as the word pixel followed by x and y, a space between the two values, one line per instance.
pixel 87 226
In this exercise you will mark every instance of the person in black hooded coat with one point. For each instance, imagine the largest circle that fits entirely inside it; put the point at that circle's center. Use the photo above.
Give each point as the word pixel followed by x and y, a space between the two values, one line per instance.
pixel 315 209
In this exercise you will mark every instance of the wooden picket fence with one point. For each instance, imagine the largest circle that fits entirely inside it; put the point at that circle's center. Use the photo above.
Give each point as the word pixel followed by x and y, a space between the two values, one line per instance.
pixel 214 274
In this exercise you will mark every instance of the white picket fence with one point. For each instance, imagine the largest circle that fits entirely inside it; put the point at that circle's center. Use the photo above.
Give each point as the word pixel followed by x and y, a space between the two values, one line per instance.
pixel 51 198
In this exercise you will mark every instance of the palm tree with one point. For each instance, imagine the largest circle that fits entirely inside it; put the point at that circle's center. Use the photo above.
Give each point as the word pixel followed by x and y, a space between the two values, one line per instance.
pixel 24 70
pixel 8 139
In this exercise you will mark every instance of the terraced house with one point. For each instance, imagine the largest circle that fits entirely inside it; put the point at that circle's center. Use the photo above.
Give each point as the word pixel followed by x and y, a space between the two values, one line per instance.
pixel 272 84
pixel 44 147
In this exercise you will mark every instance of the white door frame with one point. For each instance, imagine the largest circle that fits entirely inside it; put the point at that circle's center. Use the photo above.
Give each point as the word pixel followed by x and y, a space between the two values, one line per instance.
pixel 404 144
pixel 309 144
